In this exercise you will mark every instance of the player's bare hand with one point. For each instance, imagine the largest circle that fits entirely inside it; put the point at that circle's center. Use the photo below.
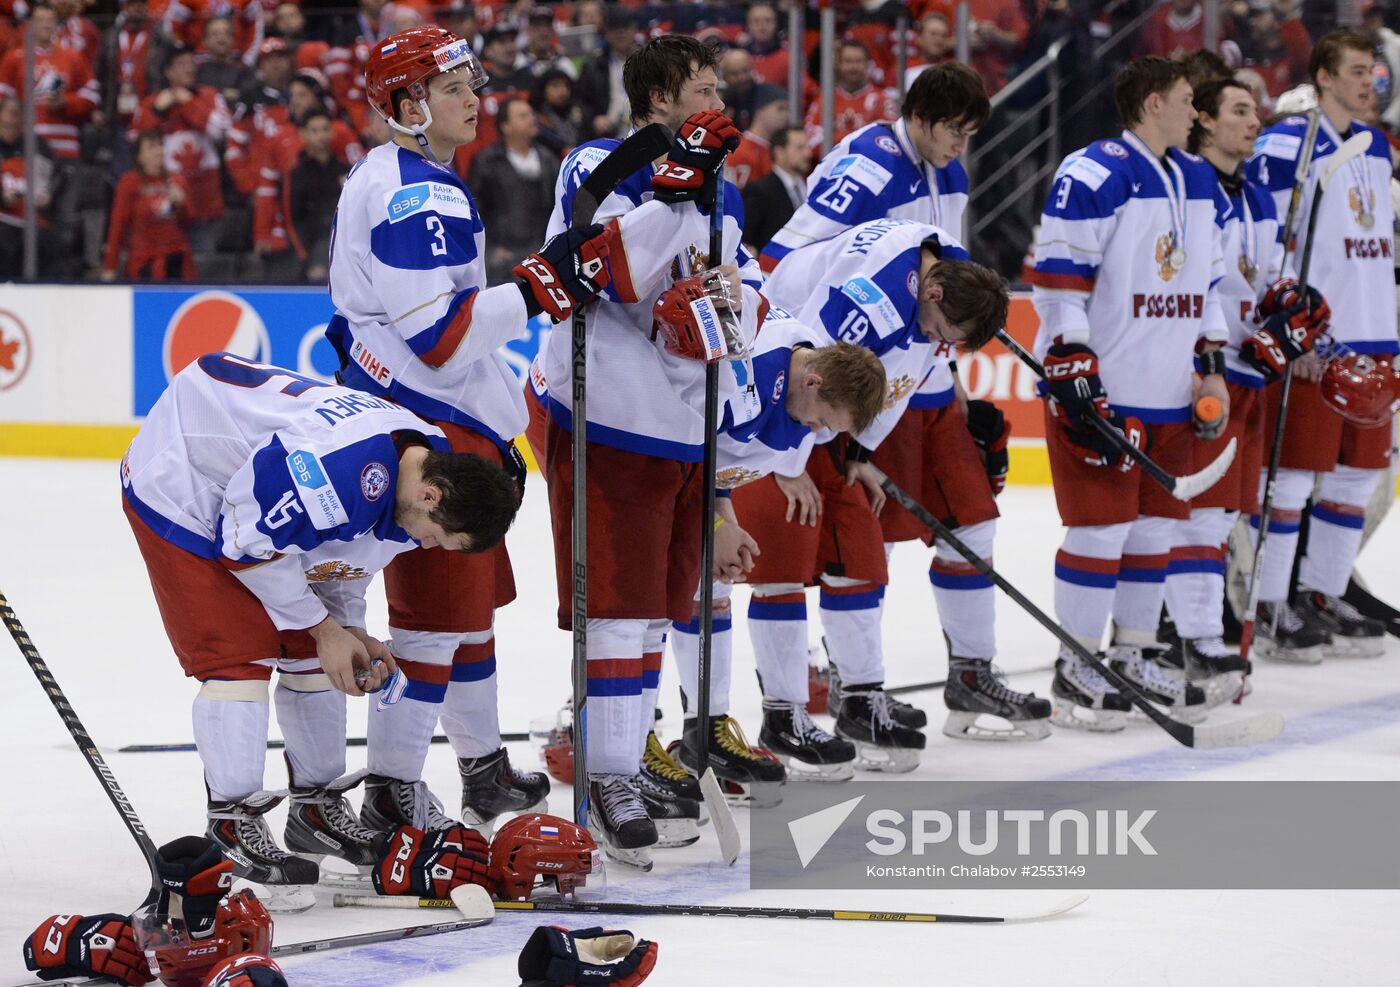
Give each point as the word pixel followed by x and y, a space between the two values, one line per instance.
pixel 735 551
pixel 1308 367
pixel 1212 386
pixel 869 478
pixel 341 653
pixel 803 499
pixel 382 664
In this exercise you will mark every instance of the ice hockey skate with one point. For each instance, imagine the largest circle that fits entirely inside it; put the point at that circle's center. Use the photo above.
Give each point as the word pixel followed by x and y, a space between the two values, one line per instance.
pixel 882 743
pixel 492 787
pixel 618 820
pixel 977 693
pixel 240 829
pixel 1283 632
pixel 1354 635
pixel 1183 700
pixel 660 771
pixel 903 713
pixel 1083 699
pixel 390 803
pixel 807 751
pixel 748 775
pixel 1207 662
pixel 677 819
pixel 321 824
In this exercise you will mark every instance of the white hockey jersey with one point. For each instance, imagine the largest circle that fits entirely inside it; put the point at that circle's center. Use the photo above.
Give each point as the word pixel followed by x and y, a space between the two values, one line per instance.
pixel 876 173
pixel 284 479
pixel 862 287
pixel 1251 242
pixel 640 398
pixel 1128 261
pixel 414 319
pixel 1353 253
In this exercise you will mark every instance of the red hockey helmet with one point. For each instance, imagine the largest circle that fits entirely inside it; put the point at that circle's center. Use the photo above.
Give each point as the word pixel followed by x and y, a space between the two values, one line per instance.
pixel 409 59
pixel 178 959
pixel 535 846
pixel 1363 389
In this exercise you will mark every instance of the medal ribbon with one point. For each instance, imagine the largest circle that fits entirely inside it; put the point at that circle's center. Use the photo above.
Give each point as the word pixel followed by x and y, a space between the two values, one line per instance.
pixel 1359 167
pixel 1175 188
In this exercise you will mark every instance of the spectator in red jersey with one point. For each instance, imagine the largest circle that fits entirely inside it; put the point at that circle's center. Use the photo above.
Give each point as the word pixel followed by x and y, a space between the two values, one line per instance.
pixel 1280 64
pixel 75 32
pixel 561 118
pixel 312 190
pixel 763 41
pixel 219 65
pixel 1174 29
pixel 753 158
pixel 124 72
pixel 193 121
pixel 770 201
pixel 858 101
pixel 934 45
pixel 600 91
pixel 289 24
pixel 149 217
pixel 15 188
pixel 512 182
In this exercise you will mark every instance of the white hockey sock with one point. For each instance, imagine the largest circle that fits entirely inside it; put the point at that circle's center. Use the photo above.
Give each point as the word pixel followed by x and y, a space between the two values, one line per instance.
pixel 685 645
pixel 230 729
pixel 1196 572
pixel 1291 490
pixel 850 610
pixel 1335 528
pixel 313 724
pixel 965 598
pixel 613 717
pixel 399 735
pixel 653 650
pixel 469 714
pixel 778 630
pixel 1142 577
pixel 1086 576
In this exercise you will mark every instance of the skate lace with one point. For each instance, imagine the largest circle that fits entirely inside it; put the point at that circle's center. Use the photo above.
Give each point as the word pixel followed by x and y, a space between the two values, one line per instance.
pixel 341 818
pixel 1286 618
pixel 421 806
pixel 881 706
pixel 256 836
pixel 1154 677
pixel 620 802
pixel 806 728
pixel 730 736
pixel 661 763
pixel 1210 647
pixel 991 681
pixel 1088 676
pixel 1341 609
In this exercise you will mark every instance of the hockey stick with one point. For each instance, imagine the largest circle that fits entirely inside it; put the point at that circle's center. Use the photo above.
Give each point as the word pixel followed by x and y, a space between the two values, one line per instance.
pixel 85 743
pixel 720 813
pixel 633 154
pixel 1352 147
pixel 277 745
pixel 1369 606
pixel 1255 729
pixel 711 911
pixel 1180 487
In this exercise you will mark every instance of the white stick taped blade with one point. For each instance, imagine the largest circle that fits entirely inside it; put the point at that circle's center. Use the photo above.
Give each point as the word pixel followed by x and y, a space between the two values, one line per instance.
pixel 1241 733
pixel 722 817
pixel 1353 147
pixel 474 902
pixel 1196 484
pixel 1059 908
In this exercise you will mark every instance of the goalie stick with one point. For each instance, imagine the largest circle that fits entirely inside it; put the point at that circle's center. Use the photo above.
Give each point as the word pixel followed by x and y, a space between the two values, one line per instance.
pixel 1253 730
pixel 712 911
pixel 1180 487
pixel 638 151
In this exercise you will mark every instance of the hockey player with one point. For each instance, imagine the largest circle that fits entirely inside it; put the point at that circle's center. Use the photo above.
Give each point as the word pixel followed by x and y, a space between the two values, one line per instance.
pixel 262 502
pixel 645 422
pixel 1261 344
pixel 415 322
pixel 1128 256
pixel 1352 265
pixel 903 290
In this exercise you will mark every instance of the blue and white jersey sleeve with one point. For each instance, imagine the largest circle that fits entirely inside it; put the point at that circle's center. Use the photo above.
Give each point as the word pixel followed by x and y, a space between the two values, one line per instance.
pixel 1275 162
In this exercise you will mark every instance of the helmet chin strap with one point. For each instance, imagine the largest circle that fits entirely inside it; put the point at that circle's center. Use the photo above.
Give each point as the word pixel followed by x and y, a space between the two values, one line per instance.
pixel 419 130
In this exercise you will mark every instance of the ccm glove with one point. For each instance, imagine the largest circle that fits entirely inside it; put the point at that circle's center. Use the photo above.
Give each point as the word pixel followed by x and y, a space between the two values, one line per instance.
pixel 246 970
pixel 555 957
pixel 430 865
pixel 688 174
pixel 1076 391
pixel 1277 343
pixel 990 432
pixel 194 870
pixel 96 946
pixel 1306 308
pixel 567 271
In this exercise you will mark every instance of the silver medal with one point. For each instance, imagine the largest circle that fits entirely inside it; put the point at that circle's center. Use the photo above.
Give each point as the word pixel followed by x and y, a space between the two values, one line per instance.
pixel 1178 258
pixel 1367 220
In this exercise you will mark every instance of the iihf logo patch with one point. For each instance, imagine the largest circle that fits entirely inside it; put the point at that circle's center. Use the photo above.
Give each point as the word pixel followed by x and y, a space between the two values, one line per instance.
pixel 374 480
pixel 1115 149
pixel 778 384
pixel 913 283
pixel 887 144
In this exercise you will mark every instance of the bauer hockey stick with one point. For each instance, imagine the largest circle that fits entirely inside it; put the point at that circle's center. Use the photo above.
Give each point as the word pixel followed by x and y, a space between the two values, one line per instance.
pixel 1180 487
pixel 632 155
pixel 1351 148
pixel 85 743
pixel 1253 730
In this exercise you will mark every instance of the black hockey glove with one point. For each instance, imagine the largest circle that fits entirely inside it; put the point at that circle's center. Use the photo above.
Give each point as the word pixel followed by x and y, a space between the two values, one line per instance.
pixel 567 271
pixel 194 870
pixel 990 432
pixel 515 467
pixel 555 957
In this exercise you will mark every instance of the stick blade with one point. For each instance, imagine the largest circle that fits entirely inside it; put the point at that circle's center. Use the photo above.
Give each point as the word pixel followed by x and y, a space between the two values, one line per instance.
pixel 1059 908
pixel 474 902
pixel 722 817
pixel 1194 484
pixel 1353 147
pixel 1257 729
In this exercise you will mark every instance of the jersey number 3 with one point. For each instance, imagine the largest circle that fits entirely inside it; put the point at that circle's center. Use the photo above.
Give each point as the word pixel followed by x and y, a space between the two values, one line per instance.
pixel 439 243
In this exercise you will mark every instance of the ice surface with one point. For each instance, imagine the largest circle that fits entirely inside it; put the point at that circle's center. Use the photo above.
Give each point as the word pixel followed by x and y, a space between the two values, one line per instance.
pixel 71 571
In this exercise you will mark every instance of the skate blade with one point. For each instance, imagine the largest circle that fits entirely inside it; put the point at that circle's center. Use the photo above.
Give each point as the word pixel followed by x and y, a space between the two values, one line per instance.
pixel 819 773
pixel 967 726
pixel 1076 717
pixel 640 857
pixel 672 833
pixel 1354 647
pixel 1289 656
pixel 1182 714
pixel 281 899
pixel 887 760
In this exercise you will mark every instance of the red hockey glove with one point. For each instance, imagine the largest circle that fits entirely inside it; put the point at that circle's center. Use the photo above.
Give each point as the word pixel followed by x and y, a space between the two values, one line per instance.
pixel 688 174
pixel 555 957
pixel 74 946
pixel 1277 343
pixel 466 840
pixel 1307 309
pixel 428 865
pixel 688 321
pixel 246 970
pixel 990 431
pixel 194 870
pixel 568 270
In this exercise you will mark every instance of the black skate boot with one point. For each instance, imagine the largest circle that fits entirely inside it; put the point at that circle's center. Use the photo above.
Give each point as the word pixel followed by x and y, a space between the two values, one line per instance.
pixel 677 819
pixel 976 688
pixel 882 742
pixel 1354 635
pixel 390 803
pixel 320 824
pixel 1283 632
pixel 661 772
pixel 492 787
pixel 1083 699
pixel 242 833
pixel 1207 662
pixel 807 751
pixel 1184 700
pixel 618 820
pixel 747 775
pixel 903 713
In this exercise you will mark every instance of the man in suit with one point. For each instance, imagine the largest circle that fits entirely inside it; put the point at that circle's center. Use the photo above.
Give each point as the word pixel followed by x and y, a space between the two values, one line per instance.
pixel 770 202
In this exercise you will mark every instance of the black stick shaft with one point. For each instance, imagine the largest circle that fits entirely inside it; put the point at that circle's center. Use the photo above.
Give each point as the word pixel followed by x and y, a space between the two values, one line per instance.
pixel 739 911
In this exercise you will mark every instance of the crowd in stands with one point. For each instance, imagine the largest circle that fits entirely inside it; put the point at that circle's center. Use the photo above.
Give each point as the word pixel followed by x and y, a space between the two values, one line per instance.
pixel 208 139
